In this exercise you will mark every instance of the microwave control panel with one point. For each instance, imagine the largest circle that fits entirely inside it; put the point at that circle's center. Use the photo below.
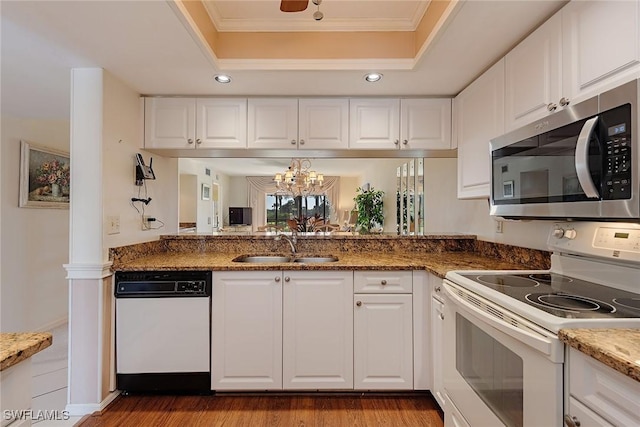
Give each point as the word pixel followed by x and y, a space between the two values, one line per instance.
pixel 617 154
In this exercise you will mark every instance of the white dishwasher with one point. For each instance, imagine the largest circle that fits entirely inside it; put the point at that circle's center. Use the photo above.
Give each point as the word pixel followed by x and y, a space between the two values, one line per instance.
pixel 163 331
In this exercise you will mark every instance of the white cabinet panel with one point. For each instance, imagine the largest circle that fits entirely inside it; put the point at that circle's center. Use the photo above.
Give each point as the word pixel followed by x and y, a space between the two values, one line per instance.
pixel 374 123
pixel 425 124
pixel 383 281
pixel 601 46
pixel 533 75
pixel 437 348
pixel 272 123
pixel 383 343
pixel 479 116
pixel 246 328
pixel 318 330
pixel 323 123
pixel 222 123
pixel 578 413
pixel 170 122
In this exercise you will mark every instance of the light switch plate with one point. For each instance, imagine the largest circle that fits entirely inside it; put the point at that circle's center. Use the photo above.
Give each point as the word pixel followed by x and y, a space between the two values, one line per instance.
pixel 113 224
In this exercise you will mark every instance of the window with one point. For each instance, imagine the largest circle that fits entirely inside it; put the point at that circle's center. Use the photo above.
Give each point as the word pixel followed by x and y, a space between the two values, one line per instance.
pixel 280 208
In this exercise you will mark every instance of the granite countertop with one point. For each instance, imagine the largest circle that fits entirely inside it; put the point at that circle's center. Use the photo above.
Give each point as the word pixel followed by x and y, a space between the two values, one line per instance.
pixel 616 348
pixel 437 263
pixel 16 347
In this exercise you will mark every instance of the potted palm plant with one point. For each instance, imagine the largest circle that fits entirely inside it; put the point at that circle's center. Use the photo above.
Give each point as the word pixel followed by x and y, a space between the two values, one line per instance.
pixel 369 206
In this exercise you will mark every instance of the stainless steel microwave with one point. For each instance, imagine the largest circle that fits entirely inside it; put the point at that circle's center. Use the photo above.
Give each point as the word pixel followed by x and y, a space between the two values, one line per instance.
pixel 579 163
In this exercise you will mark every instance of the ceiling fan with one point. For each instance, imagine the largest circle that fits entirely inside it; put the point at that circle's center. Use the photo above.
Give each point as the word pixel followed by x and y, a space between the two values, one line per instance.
pixel 299 6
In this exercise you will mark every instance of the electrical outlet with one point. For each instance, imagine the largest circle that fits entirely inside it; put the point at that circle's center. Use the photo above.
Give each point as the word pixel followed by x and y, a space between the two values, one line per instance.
pixel 113 224
pixel 145 218
pixel 499 226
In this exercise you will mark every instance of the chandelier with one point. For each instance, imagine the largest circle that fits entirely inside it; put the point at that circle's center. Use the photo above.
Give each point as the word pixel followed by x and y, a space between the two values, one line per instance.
pixel 298 179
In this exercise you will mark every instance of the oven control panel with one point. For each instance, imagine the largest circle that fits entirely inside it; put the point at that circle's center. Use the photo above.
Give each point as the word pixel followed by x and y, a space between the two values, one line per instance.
pixel 608 240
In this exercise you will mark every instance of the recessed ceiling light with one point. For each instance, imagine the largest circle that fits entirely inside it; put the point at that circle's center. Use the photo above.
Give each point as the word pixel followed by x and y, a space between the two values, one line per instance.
pixel 372 77
pixel 222 78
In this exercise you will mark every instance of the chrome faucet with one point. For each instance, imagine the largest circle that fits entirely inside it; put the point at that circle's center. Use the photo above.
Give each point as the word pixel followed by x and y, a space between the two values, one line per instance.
pixel 292 240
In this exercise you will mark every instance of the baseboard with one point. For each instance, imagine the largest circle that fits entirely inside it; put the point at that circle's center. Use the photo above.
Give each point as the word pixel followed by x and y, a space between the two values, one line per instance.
pixel 52 325
pixel 80 409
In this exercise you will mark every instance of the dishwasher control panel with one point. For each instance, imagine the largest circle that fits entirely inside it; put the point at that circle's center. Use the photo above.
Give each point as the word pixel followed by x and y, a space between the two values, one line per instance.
pixel 162 284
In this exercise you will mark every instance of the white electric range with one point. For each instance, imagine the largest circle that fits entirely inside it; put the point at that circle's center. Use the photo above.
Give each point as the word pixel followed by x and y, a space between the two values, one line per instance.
pixel 504 363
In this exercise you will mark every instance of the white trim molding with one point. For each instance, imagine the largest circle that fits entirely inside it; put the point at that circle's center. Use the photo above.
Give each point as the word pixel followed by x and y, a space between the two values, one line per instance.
pixel 80 409
pixel 88 271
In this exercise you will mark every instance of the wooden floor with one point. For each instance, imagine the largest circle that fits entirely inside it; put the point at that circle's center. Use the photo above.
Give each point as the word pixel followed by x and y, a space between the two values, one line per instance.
pixel 309 410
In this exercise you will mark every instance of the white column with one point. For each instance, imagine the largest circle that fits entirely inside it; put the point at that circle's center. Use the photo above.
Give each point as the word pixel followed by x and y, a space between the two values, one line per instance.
pixel 87 266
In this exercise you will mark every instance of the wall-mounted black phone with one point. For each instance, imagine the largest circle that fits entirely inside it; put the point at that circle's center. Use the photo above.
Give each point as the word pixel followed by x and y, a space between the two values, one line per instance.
pixel 142 170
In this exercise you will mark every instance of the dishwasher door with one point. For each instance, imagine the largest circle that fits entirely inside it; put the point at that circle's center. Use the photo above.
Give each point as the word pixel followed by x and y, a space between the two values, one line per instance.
pixel 163 343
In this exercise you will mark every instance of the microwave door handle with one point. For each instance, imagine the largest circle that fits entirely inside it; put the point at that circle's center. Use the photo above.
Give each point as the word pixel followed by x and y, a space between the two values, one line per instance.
pixel 582 159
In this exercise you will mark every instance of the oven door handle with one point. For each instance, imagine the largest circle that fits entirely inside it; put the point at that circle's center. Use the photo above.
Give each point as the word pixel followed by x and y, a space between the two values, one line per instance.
pixel 533 338
pixel 582 159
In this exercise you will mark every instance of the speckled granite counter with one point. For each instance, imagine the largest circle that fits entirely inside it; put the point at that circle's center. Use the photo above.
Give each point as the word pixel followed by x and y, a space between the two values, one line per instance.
pixel 16 347
pixel 616 348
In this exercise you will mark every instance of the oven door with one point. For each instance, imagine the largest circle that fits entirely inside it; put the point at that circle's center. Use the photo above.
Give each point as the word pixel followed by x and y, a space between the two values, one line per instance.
pixel 499 369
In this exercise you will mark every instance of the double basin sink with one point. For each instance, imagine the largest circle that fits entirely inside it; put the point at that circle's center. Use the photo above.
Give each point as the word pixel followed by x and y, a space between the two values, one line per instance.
pixel 284 258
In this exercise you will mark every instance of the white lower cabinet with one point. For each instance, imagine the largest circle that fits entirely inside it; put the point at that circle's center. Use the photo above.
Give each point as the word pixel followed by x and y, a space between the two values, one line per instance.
pixel 271 325
pixel 317 330
pixel 246 328
pixel 600 395
pixel 437 345
pixel 383 331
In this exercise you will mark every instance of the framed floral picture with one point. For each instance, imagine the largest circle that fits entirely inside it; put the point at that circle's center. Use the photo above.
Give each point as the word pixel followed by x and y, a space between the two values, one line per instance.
pixel 44 177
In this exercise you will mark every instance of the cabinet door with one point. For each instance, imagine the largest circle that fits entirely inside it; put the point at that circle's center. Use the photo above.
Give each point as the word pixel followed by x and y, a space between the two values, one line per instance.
pixel 583 416
pixel 222 123
pixel 425 124
pixel 272 123
pixel 246 331
pixel 169 122
pixel 374 123
pixel 601 46
pixel 479 116
pixel 383 344
pixel 437 323
pixel 318 330
pixel 533 75
pixel 323 123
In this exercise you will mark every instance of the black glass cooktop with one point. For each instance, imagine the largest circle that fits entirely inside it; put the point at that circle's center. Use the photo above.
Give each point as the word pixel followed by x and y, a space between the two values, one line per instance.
pixel 563 296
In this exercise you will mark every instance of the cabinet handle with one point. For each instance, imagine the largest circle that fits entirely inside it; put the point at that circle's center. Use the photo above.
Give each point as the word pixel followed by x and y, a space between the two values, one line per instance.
pixel 277 279
pixel 190 141
pixel 293 142
pixel 198 141
pixel 383 282
pixel 302 142
pixel 441 316
pixel 571 421
pixel 358 303
pixel 287 279
pixel 397 141
pixel 564 101
pixel 437 289
pixel 405 141
pixel 551 106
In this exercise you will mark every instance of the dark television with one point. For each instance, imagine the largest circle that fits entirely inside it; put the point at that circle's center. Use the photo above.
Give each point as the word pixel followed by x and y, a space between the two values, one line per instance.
pixel 239 216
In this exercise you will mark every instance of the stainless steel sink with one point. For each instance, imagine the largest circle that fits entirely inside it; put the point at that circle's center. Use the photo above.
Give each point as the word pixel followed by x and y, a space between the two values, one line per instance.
pixel 263 258
pixel 318 259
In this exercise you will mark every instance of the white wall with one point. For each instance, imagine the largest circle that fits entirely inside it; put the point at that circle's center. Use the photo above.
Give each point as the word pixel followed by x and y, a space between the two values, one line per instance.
pixel 444 212
pixel 204 208
pixel 188 198
pixel 122 139
pixel 35 242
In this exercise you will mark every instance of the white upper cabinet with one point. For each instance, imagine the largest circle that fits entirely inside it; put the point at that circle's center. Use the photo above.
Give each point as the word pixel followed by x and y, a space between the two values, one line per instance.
pixel 273 123
pixel 195 123
pixel 584 49
pixel 601 46
pixel 374 123
pixel 391 123
pixel 323 123
pixel 479 116
pixel 308 123
pixel 533 75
